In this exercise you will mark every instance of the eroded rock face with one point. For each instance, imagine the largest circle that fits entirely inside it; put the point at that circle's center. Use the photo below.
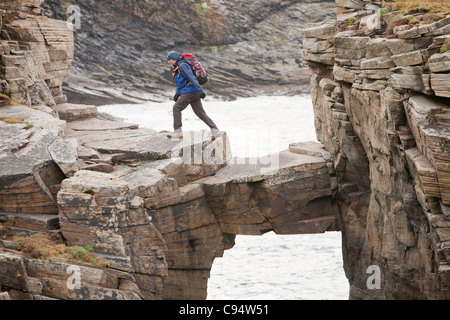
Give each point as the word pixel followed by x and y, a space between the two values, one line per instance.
pixel 237 41
pixel 36 54
pixel 139 200
pixel 99 210
pixel 28 172
pixel 160 211
pixel 293 197
pixel 385 123
pixel 143 203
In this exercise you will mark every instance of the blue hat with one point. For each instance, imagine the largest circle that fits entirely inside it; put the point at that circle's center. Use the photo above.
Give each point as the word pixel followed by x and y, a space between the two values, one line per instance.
pixel 173 55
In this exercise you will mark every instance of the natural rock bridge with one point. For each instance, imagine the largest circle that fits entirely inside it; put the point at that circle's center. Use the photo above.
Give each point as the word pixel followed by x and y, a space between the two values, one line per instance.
pixel 159 211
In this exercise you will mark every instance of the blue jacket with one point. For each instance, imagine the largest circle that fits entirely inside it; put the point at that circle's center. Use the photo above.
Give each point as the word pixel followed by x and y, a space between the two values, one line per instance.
pixel 185 79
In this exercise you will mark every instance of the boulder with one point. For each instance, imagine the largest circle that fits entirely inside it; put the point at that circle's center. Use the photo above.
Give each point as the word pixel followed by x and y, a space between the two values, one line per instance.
pixel 100 210
pixel 439 62
pixel 14 136
pixel 399 46
pixel 343 74
pixel 64 154
pixel 319 31
pixel 72 112
pixel 172 168
pixel 440 84
pixel 377 47
pixel 27 185
pixel 377 63
pixel 350 50
pixel 407 78
pixel 153 186
pixel 408 59
pixel 318 46
pixel 310 148
pixel 323 58
pixel 350 4
pixel 13 273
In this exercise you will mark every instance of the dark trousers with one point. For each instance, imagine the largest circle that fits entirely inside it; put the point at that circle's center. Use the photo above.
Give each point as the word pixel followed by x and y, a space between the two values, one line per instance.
pixel 194 100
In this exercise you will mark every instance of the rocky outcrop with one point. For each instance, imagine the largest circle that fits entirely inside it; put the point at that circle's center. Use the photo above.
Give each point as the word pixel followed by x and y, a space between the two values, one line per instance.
pixel 113 220
pixel 36 53
pixel 237 41
pixel 381 108
pixel 28 175
pixel 33 279
pixel 157 211
pixel 289 193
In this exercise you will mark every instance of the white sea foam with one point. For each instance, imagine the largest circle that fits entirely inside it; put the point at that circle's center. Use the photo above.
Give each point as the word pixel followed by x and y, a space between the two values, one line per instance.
pixel 269 266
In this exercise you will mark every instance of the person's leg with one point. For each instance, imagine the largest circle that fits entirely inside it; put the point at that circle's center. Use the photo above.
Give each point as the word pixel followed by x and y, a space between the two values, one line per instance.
pixel 197 106
pixel 179 106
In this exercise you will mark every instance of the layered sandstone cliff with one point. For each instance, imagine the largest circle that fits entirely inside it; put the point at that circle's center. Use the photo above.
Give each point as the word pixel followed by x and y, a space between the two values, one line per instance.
pixel 381 101
pixel 36 53
pixel 157 212
pixel 92 207
pixel 143 217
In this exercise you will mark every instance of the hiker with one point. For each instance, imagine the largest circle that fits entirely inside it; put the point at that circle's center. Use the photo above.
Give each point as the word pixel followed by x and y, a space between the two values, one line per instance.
pixel 188 91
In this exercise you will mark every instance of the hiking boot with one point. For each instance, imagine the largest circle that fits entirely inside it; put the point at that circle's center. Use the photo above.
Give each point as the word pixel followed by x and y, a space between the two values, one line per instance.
pixel 176 135
pixel 214 133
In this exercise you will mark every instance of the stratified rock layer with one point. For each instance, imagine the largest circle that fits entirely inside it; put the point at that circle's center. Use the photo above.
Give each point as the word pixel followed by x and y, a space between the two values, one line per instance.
pixel 146 204
pixel 160 211
pixel 36 53
pixel 381 108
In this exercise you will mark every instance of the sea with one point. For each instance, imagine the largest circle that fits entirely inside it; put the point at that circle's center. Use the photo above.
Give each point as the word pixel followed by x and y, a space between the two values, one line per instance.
pixel 267 267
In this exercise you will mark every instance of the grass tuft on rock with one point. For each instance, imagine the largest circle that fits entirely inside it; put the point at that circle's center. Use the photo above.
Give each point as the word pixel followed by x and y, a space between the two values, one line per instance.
pixel 446 46
pixel 422 6
pixel 41 246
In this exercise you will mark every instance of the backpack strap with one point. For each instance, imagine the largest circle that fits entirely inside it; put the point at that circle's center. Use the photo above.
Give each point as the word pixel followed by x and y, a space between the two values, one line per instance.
pixel 174 71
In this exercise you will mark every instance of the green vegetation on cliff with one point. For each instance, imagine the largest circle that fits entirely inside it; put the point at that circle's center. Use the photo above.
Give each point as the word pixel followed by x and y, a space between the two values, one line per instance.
pixel 40 246
pixel 422 5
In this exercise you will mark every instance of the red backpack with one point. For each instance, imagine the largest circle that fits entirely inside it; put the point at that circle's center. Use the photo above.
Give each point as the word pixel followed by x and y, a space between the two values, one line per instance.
pixel 197 68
